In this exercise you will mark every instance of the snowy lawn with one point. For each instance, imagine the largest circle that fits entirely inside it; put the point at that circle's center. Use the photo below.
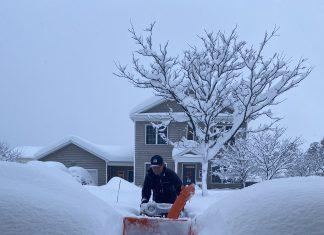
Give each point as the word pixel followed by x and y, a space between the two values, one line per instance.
pixel 42 198
pixel 282 206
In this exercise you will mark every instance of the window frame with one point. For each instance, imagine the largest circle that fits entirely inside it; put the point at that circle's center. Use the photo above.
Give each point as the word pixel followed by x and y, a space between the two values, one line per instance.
pixel 187 131
pixel 156 135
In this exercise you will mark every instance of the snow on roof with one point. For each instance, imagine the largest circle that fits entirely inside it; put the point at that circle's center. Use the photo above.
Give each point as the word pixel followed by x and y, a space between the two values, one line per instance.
pixel 185 147
pixel 114 153
pixel 148 103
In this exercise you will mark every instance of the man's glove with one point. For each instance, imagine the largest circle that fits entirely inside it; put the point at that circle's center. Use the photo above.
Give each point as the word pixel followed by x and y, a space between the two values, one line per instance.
pixel 144 200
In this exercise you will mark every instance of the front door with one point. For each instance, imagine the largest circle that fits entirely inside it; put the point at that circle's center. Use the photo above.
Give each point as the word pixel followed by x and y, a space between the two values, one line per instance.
pixel 189 174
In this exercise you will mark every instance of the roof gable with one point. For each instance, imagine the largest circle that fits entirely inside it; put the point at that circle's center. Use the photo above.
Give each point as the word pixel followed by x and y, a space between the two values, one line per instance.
pixel 104 152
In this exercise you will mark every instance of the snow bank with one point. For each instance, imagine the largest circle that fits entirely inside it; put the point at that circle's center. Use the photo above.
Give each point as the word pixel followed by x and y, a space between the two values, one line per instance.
pixel 50 164
pixel 38 199
pixel 81 175
pixel 126 201
pixel 198 204
pixel 281 206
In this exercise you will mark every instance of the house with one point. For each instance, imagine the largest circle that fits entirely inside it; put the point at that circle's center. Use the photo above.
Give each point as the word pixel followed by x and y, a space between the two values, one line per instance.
pixel 102 161
pixel 148 142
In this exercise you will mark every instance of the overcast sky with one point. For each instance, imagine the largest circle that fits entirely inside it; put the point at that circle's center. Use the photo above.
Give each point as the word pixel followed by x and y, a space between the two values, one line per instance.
pixel 56 61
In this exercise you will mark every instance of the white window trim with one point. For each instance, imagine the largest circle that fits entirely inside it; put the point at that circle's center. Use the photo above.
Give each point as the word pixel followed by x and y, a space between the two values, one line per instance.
pixel 156 135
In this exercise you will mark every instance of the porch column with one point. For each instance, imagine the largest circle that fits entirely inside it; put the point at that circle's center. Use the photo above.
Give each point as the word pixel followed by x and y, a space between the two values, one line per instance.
pixel 176 167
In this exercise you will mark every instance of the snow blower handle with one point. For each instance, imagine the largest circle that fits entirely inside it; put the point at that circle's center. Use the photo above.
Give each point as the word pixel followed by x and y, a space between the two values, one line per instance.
pixel 186 193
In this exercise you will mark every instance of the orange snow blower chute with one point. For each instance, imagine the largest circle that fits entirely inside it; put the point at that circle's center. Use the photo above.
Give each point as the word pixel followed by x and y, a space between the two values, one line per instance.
pixel 170 225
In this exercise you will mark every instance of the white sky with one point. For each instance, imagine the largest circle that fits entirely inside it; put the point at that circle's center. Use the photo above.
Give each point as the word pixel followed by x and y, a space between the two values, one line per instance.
pixel 56 61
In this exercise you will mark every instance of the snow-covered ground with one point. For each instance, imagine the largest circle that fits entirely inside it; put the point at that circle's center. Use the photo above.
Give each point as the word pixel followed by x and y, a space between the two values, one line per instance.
pixel 125 200
pixel 129 197
pixel 43 198
pixel 281 206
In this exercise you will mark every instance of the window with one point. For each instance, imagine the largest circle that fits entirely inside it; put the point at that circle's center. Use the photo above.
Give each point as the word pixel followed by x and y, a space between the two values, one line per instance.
pixel 215 178
pixel 220 129
pixel 153 136
pixel 130 175
pixel 190 133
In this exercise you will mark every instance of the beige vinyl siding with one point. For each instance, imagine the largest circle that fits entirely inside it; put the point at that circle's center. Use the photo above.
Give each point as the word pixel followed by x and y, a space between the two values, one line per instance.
pixel 72 155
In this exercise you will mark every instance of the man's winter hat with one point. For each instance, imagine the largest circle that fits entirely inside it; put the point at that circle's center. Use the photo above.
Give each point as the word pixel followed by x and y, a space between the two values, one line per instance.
pixel 156 160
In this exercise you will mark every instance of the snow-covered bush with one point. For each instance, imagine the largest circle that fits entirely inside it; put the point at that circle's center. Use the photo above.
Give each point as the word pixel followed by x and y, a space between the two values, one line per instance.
pixel 35 199
pixel 281 206
pixel 7 153
pixel 264 155
pixel 309 163
pixel 81 175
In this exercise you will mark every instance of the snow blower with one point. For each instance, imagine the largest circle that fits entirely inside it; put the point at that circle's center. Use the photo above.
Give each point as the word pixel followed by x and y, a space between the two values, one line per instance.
pixel 161 218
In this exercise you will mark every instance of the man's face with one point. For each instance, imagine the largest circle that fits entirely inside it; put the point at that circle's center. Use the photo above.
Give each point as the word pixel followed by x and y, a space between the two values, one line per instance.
pixel 157 170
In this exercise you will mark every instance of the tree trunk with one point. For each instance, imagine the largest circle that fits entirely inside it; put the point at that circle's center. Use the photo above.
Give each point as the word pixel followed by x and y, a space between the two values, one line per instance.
pixel 204 171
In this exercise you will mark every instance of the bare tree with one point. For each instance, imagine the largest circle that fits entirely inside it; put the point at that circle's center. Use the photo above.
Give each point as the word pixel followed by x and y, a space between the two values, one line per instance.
pixel 7 153
pixel 223 80
pixel 302 166
pixel 236 163
pixel 274 155
pixel 314 157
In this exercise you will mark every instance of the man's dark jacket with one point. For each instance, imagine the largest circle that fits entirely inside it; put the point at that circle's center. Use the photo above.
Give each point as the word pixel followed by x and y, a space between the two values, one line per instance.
pixel 166 186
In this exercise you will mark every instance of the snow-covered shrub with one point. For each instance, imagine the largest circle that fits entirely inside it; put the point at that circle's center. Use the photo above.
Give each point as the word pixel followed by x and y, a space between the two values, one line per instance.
pixel 264 155
pixel 81 175
pixel 7 153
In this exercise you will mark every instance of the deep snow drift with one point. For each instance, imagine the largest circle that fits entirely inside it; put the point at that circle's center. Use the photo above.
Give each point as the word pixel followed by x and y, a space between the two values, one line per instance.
pixel 120 194
pixel 43 199
pixel 282 206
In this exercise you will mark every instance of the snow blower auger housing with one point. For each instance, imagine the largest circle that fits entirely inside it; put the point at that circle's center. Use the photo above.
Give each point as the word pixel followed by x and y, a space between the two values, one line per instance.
pixel 172 224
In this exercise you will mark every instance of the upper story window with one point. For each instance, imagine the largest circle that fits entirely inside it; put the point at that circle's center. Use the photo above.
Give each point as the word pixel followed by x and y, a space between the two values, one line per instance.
pixel 190 133
pixel 220 129
pixel 153 135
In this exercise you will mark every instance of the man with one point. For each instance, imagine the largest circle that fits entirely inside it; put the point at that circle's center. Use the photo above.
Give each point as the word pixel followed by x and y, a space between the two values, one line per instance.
pixel 165 183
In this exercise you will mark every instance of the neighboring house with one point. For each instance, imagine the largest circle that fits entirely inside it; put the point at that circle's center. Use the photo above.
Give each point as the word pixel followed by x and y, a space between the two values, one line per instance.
pixel 102 162
pixel 148 143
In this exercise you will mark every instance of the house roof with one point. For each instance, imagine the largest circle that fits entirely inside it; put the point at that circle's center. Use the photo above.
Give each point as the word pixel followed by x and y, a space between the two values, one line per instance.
pixel 145 105
pixel 109 153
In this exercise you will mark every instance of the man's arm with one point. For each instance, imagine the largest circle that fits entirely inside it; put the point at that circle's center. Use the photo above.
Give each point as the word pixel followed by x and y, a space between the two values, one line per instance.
pixel 146 190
